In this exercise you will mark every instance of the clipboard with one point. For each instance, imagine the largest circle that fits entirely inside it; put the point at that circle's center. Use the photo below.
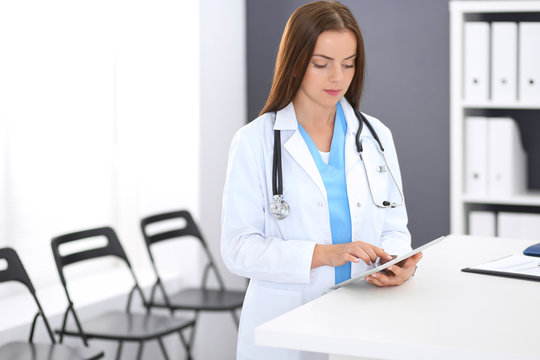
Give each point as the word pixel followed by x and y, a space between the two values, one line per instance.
pixel 511 266
pixel 387 264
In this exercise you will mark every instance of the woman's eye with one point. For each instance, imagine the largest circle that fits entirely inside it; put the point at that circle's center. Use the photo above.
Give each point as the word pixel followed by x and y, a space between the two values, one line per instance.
pixel 320 66
pixel 348 66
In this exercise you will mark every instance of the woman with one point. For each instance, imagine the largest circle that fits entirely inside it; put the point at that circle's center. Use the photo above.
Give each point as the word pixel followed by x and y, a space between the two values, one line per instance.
pixel 335 229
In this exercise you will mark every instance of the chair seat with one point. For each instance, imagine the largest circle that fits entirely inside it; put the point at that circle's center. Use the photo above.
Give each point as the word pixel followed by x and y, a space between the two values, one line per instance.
pixel 20 350
pixel 119 325
pixel 201 299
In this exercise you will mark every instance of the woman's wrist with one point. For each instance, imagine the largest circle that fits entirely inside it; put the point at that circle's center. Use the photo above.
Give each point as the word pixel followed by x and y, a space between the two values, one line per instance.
pixel 319 256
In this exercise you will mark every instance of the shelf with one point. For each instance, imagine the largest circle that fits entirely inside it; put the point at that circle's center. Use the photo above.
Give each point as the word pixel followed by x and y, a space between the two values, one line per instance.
pixel 489 105
pixel 521 108
pixel 528 199
pixel 494 7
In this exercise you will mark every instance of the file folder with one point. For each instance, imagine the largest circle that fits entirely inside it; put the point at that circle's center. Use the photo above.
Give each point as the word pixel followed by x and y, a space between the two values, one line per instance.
pixel 504 62
pixel 529 60
pixel 507 161
pixel 518 225
pixel 476 61
pixel 514 266
pixel 482 223
pixel 476 157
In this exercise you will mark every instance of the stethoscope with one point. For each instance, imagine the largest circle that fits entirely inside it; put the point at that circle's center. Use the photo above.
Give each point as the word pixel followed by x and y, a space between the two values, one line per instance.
pixel 280 208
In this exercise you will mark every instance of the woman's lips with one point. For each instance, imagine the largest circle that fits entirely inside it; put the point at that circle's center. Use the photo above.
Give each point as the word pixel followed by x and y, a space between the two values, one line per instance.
pixel 332 92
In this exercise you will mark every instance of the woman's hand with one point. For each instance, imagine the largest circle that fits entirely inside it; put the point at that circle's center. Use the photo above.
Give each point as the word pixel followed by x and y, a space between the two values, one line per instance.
pixel 339 254
pixel 396 274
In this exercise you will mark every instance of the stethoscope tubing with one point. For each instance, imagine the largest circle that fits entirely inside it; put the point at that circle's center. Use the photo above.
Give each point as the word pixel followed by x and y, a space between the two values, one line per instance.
pixel 280 208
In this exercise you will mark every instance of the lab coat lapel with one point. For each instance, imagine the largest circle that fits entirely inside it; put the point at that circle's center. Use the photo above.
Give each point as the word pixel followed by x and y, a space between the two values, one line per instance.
pixel 351 154
pixel 296 146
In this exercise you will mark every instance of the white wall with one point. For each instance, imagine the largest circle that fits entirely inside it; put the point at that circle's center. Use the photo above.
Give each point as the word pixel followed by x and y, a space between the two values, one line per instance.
pixel 99 119
pixel 223 111
pixel 223 108
pixel 135 76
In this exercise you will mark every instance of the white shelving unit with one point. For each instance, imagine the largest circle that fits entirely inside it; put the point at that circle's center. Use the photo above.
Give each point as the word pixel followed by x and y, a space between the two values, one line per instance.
pixel 460 202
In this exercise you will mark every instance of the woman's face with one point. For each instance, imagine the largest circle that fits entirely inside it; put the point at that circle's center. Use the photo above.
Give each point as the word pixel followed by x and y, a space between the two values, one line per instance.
pixel 330 69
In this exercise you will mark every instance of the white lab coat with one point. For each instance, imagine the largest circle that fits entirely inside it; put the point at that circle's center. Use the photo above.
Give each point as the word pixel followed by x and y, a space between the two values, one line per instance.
pixel 276 254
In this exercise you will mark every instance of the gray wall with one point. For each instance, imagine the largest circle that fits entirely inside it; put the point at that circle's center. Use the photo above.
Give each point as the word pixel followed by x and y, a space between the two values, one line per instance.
pixel 407 87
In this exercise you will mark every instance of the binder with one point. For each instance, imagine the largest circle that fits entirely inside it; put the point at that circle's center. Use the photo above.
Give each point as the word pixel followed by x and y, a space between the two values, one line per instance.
pixel 476 61
pixel 482 223
pixel 476 157
pixel 514 266
pixel 507 161
pixel 529 58
pixel 518 225
pixel 504 62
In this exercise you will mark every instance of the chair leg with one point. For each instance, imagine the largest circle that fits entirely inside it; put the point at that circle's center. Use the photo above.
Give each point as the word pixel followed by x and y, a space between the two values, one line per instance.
pixel 140 351
pixel 235 318
pixel 119 350
pixel 163 350
pixel 192 335
pixel 186 345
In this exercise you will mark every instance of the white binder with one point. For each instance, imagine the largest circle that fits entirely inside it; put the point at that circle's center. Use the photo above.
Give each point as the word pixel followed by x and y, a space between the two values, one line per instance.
pixel 504 62
pixel 518 225
pixel 476 157
pixel 529 60
pixel 482 223
pixel 476 61
pixel 507 161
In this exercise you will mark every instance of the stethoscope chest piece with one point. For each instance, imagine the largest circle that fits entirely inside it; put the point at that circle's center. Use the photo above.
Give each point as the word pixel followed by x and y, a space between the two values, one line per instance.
pixel 279 207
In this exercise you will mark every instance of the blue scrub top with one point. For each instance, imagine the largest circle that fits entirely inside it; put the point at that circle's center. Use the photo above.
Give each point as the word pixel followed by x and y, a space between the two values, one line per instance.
pixel 333 176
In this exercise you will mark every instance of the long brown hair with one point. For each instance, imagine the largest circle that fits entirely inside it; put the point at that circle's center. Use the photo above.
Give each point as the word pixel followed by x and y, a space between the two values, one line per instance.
pixel 298 43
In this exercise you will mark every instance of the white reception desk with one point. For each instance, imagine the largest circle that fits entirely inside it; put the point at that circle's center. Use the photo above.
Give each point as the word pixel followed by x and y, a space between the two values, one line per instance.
pixel 440 313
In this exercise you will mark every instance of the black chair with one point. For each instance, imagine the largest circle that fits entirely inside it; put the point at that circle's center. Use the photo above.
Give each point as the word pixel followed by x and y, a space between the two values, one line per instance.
pixel 121 326
pixel 196 299
pixel 20 350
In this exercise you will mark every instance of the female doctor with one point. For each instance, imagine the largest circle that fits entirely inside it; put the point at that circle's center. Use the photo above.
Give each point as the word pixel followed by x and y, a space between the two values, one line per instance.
pixel 342 206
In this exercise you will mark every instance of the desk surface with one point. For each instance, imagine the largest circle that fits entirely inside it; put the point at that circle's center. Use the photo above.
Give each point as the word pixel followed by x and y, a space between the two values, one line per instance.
pixel 441 313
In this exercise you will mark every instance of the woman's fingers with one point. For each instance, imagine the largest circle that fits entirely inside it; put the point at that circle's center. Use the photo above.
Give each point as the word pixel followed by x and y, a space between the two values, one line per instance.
pixel 374 281
pixel 395 270
pixel 381 253
pixel 369 251
pixel 372 251
pixel 360 253
pixel 351 258
pixel 395 274
pixel 388 280
pixel 354 252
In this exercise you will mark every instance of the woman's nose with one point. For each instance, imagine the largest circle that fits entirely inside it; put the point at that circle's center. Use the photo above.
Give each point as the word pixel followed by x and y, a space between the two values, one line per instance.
pixel 336 73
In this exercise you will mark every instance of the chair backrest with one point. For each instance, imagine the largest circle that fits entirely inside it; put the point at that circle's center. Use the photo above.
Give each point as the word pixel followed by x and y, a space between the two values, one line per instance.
pixel 112 248
pixel 15 271
pixel 189 229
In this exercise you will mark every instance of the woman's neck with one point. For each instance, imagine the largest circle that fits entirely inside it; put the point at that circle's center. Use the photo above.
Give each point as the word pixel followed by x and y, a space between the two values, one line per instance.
pixel 313 115
pixel 318 122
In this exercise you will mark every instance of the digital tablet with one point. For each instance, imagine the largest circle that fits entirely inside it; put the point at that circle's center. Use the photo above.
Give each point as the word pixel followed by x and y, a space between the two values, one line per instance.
pixel 389 263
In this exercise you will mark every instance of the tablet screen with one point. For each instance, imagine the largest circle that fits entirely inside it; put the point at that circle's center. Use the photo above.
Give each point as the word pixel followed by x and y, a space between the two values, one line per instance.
pixel 389 263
